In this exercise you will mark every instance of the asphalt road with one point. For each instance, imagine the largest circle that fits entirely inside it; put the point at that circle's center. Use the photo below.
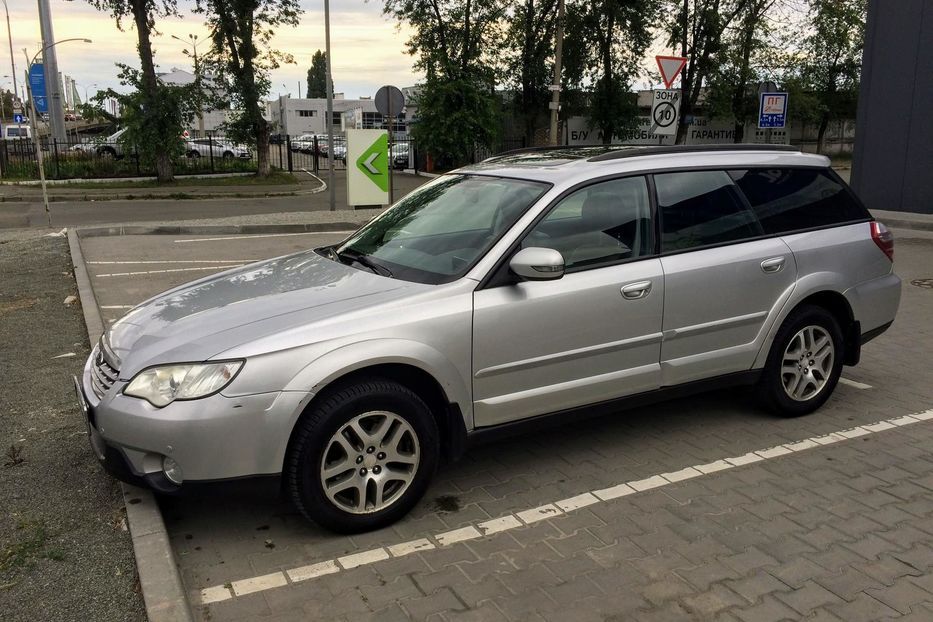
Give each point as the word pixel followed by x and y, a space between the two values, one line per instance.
pixel 79 213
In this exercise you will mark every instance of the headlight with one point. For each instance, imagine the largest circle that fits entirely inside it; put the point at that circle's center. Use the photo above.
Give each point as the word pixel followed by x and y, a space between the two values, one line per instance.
pixel 163 385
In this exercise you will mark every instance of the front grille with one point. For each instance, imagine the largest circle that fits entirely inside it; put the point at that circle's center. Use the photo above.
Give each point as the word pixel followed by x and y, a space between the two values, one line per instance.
pixel 102 375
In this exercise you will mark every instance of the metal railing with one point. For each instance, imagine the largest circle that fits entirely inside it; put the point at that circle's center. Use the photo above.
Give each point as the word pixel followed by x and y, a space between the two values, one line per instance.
pixel 94 158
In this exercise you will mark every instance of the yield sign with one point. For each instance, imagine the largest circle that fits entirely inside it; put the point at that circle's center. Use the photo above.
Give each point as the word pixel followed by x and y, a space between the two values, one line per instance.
pixel 670 67
pixel 374 163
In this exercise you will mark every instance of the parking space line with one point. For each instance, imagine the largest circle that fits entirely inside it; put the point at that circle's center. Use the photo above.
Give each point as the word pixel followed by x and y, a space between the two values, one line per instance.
pixel 118 307
pixel 520 519
pixel 854 384
pixel 166 271
pixel 261 235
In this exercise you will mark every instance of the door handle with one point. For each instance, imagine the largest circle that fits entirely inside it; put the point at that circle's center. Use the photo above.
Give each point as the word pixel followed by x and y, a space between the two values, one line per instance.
pixel 775 264
pixel 634 291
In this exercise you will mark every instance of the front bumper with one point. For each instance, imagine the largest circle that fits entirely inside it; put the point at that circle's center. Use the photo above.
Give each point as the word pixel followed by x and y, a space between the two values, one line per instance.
pixel 214 438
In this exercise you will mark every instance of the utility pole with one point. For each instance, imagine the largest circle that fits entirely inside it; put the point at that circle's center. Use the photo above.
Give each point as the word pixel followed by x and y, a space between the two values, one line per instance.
pixel 330 110
pixel 555 87
pixel 50 63
pixel 10 39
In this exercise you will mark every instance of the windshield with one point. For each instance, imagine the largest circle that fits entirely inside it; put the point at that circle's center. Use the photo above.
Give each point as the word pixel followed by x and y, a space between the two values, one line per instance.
pixel 436 233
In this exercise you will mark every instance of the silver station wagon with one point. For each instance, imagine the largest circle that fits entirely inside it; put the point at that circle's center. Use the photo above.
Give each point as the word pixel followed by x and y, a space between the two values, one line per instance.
pixel 544 285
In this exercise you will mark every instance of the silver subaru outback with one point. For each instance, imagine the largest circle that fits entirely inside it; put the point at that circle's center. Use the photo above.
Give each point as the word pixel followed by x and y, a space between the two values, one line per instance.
pixel 532 287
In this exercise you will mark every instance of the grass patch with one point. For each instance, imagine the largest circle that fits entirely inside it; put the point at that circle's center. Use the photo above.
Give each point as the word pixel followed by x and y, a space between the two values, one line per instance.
pixel 33 538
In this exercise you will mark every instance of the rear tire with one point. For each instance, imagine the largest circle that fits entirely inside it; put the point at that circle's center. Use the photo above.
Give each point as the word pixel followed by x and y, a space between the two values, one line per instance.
pixel 804 363
pixel 363 456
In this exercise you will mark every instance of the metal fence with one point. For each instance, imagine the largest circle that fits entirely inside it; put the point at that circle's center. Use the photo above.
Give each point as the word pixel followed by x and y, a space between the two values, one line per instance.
pixel 97 159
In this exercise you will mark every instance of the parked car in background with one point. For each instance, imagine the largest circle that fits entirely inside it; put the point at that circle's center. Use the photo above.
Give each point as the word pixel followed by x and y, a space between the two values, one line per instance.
pixel 219 148
pixel 303 143
pixel 111 146
pixel 400 155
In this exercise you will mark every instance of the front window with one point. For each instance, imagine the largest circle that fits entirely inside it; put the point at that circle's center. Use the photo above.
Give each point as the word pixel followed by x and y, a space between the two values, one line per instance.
pixel 436 233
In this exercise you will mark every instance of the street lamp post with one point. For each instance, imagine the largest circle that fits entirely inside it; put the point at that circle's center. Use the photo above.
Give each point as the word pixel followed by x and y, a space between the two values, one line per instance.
pixel 32 121
pixel 10 38
pixel 193 40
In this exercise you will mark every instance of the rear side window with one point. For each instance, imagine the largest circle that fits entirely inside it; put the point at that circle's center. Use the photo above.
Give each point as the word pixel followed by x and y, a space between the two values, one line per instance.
pixel 793 199
pixel 701 208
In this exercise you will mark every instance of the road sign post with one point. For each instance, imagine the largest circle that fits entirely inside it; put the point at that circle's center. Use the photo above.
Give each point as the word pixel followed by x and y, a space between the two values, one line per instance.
pixel 368 167
pixel 665 112
pixel 389 101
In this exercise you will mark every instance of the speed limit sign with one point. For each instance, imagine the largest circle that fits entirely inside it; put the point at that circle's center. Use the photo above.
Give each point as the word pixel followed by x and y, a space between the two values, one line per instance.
pixel 665 111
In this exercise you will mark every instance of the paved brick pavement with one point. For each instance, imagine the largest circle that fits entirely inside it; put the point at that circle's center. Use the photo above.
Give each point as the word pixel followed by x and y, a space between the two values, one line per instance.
pixel 842 532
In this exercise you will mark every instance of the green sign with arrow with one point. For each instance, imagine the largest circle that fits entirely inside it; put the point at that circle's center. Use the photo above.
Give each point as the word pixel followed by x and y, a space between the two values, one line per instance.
pixel 374 163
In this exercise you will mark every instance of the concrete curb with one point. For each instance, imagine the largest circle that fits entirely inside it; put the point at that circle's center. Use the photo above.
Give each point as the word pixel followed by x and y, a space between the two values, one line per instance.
pixel 159 579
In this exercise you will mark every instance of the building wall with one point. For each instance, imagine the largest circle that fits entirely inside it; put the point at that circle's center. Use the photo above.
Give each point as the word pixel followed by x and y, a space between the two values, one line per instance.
pixel 894 144
pixel 296 116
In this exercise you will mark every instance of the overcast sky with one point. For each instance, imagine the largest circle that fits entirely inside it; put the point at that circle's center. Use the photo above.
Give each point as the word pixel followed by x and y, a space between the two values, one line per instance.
pixel 368 49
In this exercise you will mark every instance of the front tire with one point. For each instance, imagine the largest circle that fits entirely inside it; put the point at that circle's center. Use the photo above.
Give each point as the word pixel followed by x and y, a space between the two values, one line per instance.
pixel 804 364
pixel 363 456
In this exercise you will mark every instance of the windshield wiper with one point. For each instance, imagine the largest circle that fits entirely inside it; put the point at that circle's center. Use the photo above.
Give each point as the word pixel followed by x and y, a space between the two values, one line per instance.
pixel 363 260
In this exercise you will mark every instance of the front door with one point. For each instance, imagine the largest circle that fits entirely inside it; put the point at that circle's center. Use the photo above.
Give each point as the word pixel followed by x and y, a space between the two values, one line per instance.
pixel 592 335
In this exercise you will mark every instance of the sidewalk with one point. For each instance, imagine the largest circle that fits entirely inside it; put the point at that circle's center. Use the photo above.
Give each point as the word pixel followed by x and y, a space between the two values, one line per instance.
pixel 306 184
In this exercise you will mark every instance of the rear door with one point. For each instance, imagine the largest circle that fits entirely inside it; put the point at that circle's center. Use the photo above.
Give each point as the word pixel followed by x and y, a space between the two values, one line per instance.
pixel 724 278
pixel 590 336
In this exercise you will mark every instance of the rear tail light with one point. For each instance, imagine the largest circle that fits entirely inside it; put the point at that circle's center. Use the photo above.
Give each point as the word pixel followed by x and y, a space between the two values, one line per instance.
pixel 883 238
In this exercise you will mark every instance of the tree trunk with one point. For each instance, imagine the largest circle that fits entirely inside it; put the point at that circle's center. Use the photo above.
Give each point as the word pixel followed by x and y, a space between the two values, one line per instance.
pixel 150 83
pixel 263 168
pixel 821 133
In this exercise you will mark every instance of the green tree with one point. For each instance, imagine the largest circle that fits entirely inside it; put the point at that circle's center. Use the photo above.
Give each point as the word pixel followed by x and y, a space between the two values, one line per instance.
pixel 605 43
pixel 317 75
pixel 456 43
pixel 152 111
pixel 241 58
pixel 152 132
pixel 826 78
pixel 696 27
pixel 746 50
pixel 529 68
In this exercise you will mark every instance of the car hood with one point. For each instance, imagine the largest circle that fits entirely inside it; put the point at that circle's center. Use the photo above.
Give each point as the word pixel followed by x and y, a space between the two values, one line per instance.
pixel 197 321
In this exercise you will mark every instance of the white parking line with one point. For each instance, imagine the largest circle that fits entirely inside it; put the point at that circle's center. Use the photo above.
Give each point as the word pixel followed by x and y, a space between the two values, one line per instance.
pixel 225 267
pixel 261 235
pixel 854 384
pixel 519 519
pixel 117 306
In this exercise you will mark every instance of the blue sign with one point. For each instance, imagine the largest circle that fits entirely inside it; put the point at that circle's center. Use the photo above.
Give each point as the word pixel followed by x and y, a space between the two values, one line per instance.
pixel 772 112
pixel 18 118
pixel 37 86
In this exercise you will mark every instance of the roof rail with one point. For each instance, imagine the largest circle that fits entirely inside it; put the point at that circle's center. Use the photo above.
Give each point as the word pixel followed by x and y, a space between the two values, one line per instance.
pixel 545 148
pixel 637 151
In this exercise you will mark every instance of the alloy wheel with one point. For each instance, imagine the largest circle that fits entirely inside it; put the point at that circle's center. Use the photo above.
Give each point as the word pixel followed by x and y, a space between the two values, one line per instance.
pixel 807 363
pixel 370 462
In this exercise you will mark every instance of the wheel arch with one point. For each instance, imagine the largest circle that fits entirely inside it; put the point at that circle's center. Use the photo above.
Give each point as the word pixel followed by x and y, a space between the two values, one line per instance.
pixel 826 297
pixel 424 371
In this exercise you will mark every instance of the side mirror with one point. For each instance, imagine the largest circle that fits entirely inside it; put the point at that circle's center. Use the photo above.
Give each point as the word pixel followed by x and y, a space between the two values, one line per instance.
pixel 538 264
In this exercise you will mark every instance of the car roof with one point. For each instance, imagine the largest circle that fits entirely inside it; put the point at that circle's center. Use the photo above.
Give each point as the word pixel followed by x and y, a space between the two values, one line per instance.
pixel 573 164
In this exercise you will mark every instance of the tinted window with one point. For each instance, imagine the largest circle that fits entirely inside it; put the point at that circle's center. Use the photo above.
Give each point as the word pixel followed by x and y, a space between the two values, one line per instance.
pixel 701 208
pixel 791 199
pixel 605 222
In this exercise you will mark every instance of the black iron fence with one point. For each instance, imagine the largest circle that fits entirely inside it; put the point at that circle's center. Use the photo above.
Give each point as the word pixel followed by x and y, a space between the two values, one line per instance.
pixel 97 159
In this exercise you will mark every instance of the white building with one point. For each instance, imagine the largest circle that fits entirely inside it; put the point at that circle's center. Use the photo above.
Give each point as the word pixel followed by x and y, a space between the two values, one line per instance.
pixel 296 116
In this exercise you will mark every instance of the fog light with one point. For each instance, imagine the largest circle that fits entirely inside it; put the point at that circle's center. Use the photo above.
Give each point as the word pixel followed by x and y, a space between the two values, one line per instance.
pixel 172 470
